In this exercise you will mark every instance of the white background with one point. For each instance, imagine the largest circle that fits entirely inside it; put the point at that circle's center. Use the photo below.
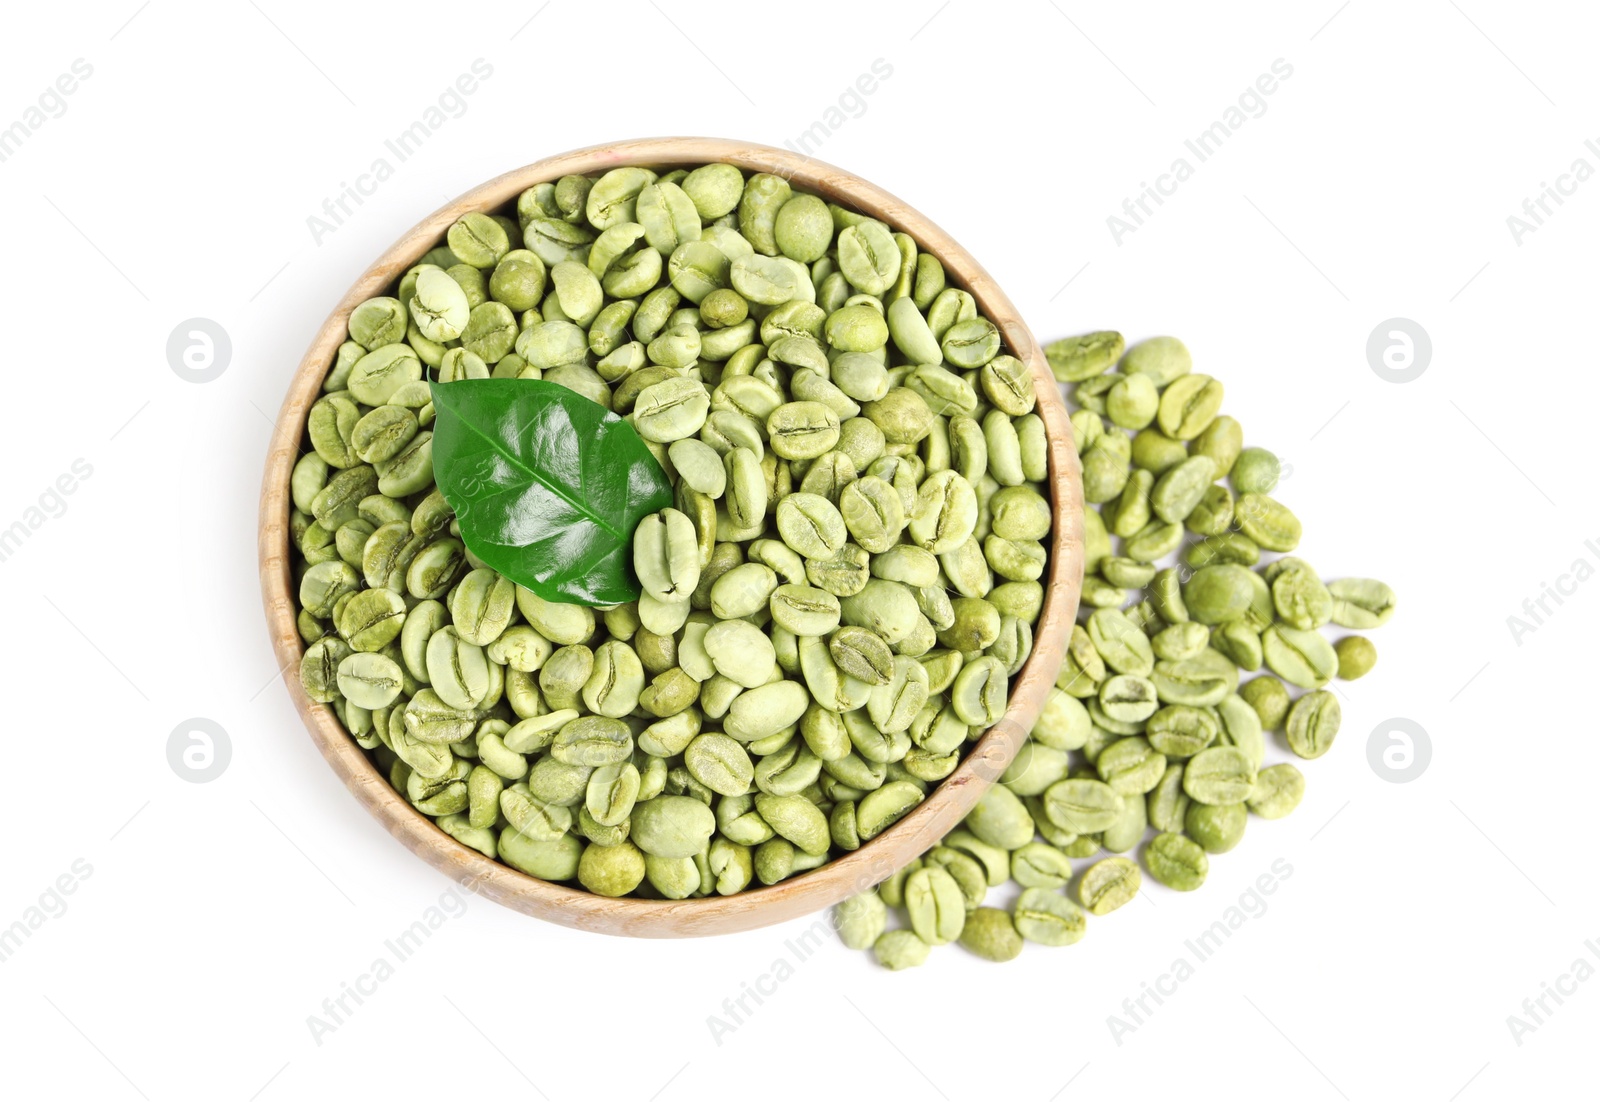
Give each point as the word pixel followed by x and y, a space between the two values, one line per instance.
pixel 218 917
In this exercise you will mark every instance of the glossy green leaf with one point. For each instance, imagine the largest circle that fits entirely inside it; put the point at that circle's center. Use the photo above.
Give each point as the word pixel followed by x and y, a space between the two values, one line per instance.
pixel 547 485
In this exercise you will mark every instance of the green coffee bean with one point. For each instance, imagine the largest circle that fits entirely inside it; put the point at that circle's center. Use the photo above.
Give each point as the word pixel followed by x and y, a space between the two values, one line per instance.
pixel 935 905
pixel 1218 593
pixel 897 949
pixel 990 934
pixel 1313 723
pixel 1181 731
pixel 1303 658
pixel 1361 603
pixel 861 919
pixel 882 808
pixel 1167 805
pixel 1219 775
pixel 1217 828
pixel 672 826
pixel 1188 405
pixel 1356 656
pixel 1077 358
pixel 1082 806
pixel 1000 819
pixel 979 692
pixel 719 763
pixel 1046 917
pixel 1131 766
pixel 1267 697
pixel 1108 884
pixel 1177 862
pixel 1301 600
pixel 1037 865
pixel 1120 644
pixel 370 680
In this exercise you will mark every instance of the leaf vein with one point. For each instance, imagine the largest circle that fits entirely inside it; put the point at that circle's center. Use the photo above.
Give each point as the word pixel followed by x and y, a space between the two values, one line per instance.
pixel 516 461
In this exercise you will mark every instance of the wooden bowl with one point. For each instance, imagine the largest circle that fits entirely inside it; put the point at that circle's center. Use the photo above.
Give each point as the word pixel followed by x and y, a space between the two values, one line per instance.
pixel 944 808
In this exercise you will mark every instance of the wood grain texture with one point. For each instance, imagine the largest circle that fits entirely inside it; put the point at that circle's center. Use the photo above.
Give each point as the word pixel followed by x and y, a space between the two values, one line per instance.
pixel 944 808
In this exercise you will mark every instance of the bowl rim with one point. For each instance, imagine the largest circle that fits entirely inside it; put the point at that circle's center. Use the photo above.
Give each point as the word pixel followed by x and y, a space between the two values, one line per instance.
pixel 945 806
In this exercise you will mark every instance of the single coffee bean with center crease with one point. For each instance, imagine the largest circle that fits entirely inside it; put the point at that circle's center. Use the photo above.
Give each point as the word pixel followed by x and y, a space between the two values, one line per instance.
pixel 1131 766
pixel 1361 603
pixel 804 610
pixel 935 905
pixel 370 680
pixel 1122 645
pixel 1219 775
pixel 1177 862
pixel 1108 884
pixel 1303 658
pixel 1046 917
pixel 863 654
pixel 720 763
pixel 1074 359
pixel 592 741
pixel 371 619
pixel 1082 806
pixel 1313 723
pixel 1037 865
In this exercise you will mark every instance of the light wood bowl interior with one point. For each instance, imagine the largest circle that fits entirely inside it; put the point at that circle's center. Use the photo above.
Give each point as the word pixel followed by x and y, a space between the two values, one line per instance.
pixel 944 808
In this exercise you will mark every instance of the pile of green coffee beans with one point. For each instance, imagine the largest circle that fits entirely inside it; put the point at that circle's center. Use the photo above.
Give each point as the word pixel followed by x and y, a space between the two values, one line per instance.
pixel 831 612
pixel 1149 739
